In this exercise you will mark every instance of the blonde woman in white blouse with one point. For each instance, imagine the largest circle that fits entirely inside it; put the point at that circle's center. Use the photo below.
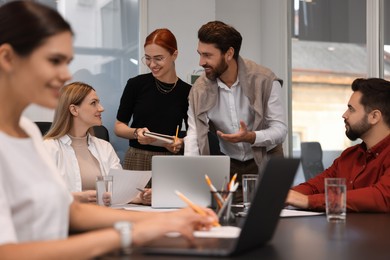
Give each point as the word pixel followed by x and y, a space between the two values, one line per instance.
pixel 78 154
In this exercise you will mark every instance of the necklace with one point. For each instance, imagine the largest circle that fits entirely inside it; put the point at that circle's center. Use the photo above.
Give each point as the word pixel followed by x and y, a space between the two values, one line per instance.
pixel 165 88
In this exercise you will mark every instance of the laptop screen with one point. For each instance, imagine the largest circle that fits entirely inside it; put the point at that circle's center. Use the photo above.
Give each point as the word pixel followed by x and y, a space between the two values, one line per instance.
pixel 187 175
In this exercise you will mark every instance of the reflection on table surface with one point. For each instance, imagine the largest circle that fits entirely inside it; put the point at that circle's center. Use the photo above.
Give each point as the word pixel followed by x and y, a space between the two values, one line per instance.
pixel 363 236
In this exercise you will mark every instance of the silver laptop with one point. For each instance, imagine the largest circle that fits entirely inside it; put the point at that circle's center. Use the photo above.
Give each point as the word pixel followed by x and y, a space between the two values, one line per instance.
pixel 187 175
pixel 258 226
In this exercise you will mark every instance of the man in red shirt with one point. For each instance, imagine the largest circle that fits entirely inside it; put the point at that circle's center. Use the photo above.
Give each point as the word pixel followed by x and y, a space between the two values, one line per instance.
pixel 366 166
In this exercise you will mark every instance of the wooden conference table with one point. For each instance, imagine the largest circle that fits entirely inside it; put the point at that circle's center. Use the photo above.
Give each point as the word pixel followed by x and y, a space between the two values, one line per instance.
pixel 363 236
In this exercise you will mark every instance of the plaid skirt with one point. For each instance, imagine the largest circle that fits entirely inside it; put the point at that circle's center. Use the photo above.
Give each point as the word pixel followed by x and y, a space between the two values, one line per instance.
pixel 140 160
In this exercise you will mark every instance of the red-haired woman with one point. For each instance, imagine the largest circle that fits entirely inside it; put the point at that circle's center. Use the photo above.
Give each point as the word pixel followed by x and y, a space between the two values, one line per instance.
pixel 155 102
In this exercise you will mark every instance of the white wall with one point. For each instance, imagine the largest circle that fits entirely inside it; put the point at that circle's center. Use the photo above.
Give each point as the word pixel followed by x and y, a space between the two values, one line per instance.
pixel 183 18
pixel 263 25
pixel 245 17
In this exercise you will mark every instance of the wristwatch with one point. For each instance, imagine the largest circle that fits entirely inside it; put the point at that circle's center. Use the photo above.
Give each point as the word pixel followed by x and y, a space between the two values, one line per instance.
pixel 135 134
pixel 124 230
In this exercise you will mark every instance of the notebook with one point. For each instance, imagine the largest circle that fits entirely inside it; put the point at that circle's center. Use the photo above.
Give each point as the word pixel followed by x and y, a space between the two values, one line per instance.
pixel 161 139
pixel 187 175
pixel 259 225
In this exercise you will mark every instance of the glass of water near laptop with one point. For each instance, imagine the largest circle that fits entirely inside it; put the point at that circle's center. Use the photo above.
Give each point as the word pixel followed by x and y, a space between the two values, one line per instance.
pixel 336 200
pixel 249 182
pixel 104 190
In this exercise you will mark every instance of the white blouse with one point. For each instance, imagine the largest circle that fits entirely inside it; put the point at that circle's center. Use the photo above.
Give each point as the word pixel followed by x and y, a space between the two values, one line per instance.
pixel 65 158
pixel 34 201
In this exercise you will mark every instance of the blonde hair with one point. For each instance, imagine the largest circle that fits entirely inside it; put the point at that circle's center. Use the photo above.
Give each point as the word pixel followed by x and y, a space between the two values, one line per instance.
pixel 71 94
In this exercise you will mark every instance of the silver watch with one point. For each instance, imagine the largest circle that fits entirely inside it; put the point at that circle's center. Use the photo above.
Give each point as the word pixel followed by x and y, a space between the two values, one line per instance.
pixel 124 229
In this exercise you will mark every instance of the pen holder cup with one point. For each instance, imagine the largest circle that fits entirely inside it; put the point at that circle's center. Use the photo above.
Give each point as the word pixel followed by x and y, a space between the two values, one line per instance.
pixel 221 202
pixel 216 204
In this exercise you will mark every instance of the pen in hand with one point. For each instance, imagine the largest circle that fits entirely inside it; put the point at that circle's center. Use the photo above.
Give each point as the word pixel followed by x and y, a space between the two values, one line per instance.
pixel 195 207
pixel 177 133
pixel 145 195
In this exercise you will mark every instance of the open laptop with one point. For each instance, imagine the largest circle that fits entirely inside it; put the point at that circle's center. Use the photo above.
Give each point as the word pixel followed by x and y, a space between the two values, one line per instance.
pixel 259 225
pixel 187 175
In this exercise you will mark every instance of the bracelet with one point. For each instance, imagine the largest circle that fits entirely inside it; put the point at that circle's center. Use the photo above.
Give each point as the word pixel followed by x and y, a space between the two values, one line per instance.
pixel 135 134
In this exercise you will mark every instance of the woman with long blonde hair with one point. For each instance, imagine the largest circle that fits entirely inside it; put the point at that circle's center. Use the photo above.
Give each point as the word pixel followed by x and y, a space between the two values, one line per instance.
pixel 78 154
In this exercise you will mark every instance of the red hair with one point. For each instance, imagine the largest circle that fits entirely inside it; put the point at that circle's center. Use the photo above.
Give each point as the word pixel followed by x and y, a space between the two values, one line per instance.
pixel 164 38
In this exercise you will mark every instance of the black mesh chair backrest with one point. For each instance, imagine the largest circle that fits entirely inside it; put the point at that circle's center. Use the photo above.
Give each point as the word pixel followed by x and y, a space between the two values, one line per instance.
pixel 311 158
pixel 43 126
pixel 100 131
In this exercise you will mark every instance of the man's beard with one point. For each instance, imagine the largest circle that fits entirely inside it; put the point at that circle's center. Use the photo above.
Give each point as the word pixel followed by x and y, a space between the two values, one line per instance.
pixel 356 131
pixel 218 71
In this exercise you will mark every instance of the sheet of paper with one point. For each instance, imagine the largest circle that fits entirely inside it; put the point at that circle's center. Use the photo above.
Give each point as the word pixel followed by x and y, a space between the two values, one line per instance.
pixel 220 232
pixel 215 232
pixel 144 208
pixel 298 213
pixel 125 184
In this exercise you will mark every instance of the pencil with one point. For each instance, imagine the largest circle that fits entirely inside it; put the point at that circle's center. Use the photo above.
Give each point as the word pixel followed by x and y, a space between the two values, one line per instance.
pixel 217 196
pixel 231 184
pixel 177 132
pixel 225 180
pixel 227 200
pixel 195 207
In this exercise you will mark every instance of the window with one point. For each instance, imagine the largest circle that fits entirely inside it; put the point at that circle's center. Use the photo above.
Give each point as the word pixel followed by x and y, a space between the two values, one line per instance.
pixel 106 50
pixel 386 61
pixel 328 53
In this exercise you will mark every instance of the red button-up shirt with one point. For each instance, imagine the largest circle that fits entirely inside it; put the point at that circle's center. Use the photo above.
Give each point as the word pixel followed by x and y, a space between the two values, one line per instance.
pixel 367 174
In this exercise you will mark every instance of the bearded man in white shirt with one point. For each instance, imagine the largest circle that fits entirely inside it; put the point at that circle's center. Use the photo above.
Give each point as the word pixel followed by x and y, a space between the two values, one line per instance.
pixel 237 99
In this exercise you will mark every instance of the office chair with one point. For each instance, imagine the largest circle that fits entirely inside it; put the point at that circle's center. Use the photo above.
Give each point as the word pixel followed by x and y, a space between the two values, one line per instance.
pixel 99 131
pixel 311 159
pixel 43 126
